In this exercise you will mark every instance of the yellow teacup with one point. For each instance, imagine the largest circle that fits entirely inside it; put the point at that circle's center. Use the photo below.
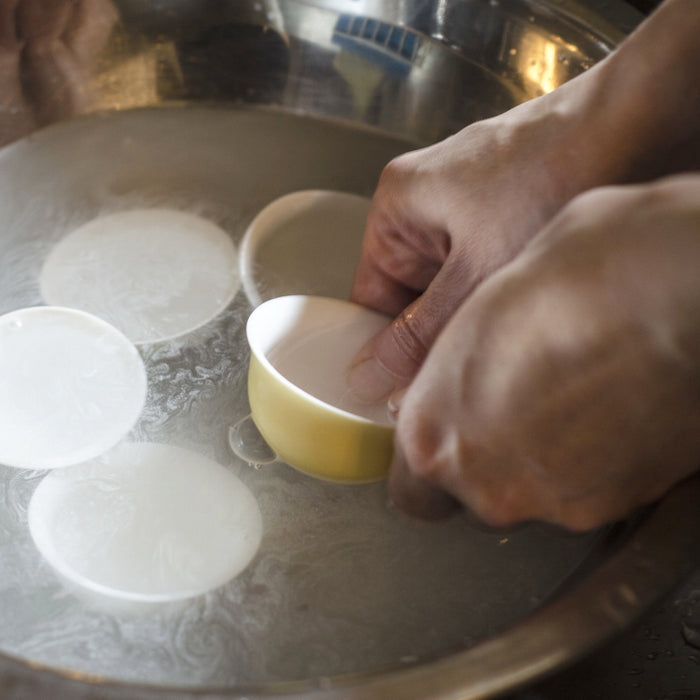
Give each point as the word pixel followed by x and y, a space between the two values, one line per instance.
pixel 301 347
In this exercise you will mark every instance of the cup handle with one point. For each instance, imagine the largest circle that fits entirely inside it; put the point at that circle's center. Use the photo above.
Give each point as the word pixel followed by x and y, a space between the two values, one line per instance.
pixel 246 442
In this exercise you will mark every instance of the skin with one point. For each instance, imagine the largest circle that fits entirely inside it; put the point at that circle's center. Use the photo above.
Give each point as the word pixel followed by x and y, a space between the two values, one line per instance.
pixel 47 48
pixel 566 389
pixel 524 387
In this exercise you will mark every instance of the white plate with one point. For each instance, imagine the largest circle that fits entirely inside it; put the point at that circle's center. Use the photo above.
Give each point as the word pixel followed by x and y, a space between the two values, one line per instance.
pixel 71 386
pixel 146 522
pixel 153 273
pixel 306 242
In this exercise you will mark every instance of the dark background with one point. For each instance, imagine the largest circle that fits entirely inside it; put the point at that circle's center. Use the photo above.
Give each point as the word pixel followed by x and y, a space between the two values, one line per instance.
pixel 644 5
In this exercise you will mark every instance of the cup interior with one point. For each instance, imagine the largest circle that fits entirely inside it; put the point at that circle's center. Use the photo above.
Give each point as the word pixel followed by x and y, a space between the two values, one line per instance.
pixel 307 344
pixel 305 242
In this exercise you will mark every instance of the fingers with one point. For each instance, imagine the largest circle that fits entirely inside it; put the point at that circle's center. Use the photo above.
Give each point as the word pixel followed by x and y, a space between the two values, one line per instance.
pixel 398 259
pixel 432 476
pixel 410 271
pixel 419 498
pixel 408 491
pixel 416 496
pixel 391 359
pixel 434 232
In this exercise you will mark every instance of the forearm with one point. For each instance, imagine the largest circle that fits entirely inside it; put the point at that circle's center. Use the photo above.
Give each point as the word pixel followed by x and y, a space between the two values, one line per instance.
pixel 636 115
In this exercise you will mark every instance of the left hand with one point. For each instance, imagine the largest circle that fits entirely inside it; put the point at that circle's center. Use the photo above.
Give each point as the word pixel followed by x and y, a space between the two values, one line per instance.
pixel 566 388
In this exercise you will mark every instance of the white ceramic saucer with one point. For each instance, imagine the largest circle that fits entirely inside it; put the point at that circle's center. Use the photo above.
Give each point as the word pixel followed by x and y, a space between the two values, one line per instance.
pixel 71 386
pixel 153 273
pixel 146 522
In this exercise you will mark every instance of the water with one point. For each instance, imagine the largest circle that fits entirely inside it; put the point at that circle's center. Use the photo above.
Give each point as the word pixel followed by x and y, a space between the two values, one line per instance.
pixel 341 583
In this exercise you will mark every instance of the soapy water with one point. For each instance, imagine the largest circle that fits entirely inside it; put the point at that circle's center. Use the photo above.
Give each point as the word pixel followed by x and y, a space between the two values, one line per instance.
pixel 341 583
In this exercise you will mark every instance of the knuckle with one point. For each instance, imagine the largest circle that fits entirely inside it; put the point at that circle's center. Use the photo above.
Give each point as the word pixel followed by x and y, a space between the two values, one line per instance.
pixel 390 174
pixel 399 169
pixel 604 204
pixel 422 444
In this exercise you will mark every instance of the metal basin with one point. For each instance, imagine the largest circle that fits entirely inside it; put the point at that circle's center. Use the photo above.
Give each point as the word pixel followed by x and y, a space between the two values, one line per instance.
pixel 221 111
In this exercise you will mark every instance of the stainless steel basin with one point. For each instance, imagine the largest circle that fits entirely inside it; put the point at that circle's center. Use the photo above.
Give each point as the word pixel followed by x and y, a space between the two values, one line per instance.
pixel 224 105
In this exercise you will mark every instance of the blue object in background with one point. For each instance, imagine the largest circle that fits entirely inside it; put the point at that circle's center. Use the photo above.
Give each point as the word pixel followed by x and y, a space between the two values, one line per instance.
pixel 390 46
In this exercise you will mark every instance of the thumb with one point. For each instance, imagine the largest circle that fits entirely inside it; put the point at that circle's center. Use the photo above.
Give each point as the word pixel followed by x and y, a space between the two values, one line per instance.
pixel 391 359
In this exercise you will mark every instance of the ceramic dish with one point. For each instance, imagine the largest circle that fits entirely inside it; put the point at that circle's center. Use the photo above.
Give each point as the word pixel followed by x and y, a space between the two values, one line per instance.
pixel 71 387
pixel 306 242
pixel 154 274
pixel 301 347
pixel 146 522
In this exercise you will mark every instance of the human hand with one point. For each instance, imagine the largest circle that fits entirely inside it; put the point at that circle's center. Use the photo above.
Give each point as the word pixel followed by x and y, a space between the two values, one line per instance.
pixel 444 218
pixel 565 389
pixel 47 49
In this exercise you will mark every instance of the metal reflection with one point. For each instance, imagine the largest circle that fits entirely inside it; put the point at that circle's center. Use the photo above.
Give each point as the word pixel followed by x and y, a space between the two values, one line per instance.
pixel 538 61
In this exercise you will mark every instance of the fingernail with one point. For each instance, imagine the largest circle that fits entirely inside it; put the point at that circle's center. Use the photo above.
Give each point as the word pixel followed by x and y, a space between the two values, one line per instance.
pixel 369 382
pixel 394 403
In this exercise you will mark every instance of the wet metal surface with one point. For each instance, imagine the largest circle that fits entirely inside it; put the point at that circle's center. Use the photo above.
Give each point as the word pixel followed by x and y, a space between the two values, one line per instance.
pixel 410 71
pixel 658 658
